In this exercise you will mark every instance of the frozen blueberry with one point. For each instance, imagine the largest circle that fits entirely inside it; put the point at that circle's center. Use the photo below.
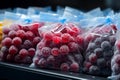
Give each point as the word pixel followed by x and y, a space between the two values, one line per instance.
pixel 91 46
pixel 105 45
pixel 98 52
pixel 94 70
pixel 101 62
pixel 98 41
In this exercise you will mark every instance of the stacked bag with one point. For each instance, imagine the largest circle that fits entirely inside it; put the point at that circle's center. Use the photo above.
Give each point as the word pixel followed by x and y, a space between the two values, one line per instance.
pixel 66 40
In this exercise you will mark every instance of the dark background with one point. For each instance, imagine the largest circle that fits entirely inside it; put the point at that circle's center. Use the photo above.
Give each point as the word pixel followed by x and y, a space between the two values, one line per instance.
pixel 79 4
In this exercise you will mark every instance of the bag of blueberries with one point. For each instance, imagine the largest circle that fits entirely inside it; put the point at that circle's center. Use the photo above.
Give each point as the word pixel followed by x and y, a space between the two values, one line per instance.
pixel 99 47
pixel 19 43
pixel 115 62
pixel 59 48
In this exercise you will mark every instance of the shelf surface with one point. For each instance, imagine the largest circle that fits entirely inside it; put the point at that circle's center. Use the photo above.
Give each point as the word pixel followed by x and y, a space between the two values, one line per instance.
pixel 50 73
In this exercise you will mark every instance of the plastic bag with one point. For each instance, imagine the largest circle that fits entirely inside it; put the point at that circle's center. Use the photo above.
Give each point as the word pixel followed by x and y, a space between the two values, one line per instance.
pixel 115 62
pixel 58 48
pixel 19 42
pixel 99 47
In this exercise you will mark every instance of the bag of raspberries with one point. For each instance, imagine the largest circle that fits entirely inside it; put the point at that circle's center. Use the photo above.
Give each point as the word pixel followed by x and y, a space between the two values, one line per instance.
pixel 99 47
pixel 19 42
pixel 61 48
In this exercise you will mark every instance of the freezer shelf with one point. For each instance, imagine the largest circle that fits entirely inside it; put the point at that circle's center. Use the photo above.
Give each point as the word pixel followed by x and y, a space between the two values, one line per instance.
pixel 49 73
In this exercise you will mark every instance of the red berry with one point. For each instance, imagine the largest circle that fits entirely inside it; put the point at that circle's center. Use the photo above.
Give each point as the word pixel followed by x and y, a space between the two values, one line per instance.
pixel 48 36
pixel 23 53
pixel 36 40
pixel 80 40
pixel 13 50
pixel 12 34
pixel 64 67
pixel 6 30
pixel 117 44
pixel 31 52
pixel 7 42
pixel 118 60
pixel 29 35
pixel 64 49
pixel 73 31
pixel 21 34
pixel 65 38
pixel 55 51
pixel 17 41
pixel 93 58
pixel 46 51
pixel 87 65
pixel 74 67
pixel 10 57
pixel 50 59
pixel 56 39
pixel 26 28
pixel 27 44
pixel 42 63
pixel 58 34
pixel 73 46
pixel 27 60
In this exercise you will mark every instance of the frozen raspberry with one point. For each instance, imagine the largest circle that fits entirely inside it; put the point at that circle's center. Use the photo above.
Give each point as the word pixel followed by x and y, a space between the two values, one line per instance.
pixel 118 59
pixel 10 57
pixel 93 58
pixel 17 41
pixel 48 36
pixel 105 45
pixel 117 44
pixel 27 44
pixel 87 65
pixel 64 49
pixel 31 52
pixel 26 28
pixel 29 35
pixel 55 51
pixel 13 50
pixel 21 34
pixel 73 31
pixel 12 34
pixel 65 37
pixel 35 60
pixel 23 53
pixel 36 40
pixel 7 42
pixel 56 39
pixel 64 67
pixel 50 59
pixel 27 60
pixel 80 40
pixel 74 67
pixel 6 30
pixel 42 63
pixel 46 51
pixel 18 58
pixel 73 46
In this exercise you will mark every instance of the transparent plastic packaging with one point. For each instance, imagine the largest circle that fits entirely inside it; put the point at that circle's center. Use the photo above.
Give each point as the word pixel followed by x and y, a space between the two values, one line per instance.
pixel 19 42
pixel 59 48
pixel 99 47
